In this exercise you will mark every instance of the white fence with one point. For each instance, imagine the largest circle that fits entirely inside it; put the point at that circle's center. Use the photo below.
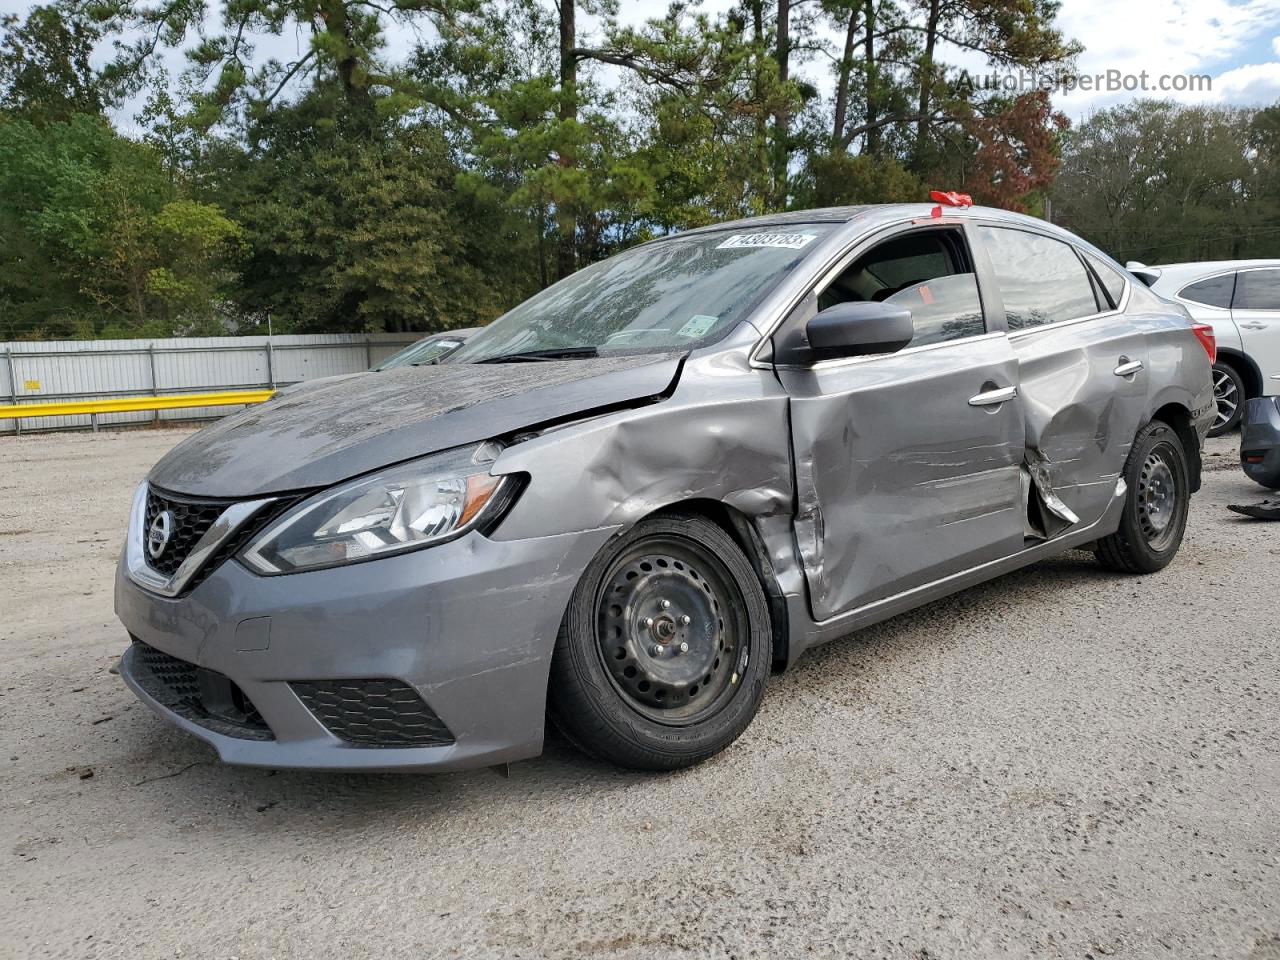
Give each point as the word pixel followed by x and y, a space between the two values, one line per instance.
pixel 65 370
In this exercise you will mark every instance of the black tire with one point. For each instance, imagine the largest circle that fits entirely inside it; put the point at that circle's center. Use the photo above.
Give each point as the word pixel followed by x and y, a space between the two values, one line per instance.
pixel 1156 506
pixel 1229 395
pixel 616 698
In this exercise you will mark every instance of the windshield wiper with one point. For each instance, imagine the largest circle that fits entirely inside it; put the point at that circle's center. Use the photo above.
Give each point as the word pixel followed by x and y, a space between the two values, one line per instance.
pixel 531 356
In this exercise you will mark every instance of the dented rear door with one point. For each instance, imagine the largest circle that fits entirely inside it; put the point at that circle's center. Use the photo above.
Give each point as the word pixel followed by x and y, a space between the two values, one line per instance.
pixel 1082 371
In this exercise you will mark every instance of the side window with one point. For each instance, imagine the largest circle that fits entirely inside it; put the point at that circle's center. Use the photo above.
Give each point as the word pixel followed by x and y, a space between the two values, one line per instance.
pixel 946 308
pixel 1258 290
pixel 1041 279
pixel 1214 292
pixel 1113 280
pixel 928 271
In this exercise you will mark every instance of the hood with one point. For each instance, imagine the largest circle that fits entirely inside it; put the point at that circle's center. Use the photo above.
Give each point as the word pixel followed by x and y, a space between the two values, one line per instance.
pixel 302 386
pixel 352 425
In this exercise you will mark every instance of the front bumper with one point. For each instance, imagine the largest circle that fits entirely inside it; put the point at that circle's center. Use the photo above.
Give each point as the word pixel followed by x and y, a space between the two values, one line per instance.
pixel 1260 441
pixel 469 625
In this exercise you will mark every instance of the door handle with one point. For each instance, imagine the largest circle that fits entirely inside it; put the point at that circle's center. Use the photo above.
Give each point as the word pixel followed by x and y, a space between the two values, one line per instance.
pixel 989 397
pixel 1253 325
pixel 1127 367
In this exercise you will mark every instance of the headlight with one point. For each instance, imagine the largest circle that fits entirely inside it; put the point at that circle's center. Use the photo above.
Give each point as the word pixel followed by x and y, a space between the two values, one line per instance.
pixel 404 508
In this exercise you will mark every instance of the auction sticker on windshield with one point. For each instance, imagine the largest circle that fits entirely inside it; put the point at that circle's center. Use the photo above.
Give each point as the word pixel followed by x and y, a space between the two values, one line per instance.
pixel 698 325
pixel 788 241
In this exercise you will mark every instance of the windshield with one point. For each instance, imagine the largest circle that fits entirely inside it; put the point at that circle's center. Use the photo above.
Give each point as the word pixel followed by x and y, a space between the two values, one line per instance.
pixel 661 297
pixel 424 351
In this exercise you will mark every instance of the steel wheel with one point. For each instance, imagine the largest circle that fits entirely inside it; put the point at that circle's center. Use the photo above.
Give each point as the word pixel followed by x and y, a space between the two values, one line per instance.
pixel 665 648
pixel 1227 395
pixel 1158 500
pixel 671 631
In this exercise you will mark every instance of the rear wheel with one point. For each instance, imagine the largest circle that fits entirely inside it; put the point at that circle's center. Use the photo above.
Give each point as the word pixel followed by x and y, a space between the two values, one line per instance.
pixel 1156 506
pixel 1228 393
pixel 665 649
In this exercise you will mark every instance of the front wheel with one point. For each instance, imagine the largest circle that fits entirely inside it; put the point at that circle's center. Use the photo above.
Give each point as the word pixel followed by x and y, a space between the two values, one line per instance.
pixel 665 648
pixel 1156 505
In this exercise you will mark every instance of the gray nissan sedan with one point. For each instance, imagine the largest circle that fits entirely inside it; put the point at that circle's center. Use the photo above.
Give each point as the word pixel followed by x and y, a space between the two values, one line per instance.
pixel 628 501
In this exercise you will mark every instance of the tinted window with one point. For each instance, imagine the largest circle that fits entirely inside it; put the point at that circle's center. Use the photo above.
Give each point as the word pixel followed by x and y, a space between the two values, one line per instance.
pixel 1214 292
pixel 929 271
pixel 946 308
pixel 1041 279
pixel 1258 290
pixel 1112 279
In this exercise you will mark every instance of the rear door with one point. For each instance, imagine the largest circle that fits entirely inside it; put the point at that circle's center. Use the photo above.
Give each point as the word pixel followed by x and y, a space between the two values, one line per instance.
pixel 1081 370
pixel 1256 311
pixel 906 463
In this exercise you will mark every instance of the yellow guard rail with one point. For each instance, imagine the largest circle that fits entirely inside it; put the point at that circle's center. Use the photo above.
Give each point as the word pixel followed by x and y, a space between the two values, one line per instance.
pixel 177 401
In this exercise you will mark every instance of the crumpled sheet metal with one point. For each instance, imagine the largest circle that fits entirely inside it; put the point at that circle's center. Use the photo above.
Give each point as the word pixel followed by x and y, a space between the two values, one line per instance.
pixel 896 484
pixel 1040 486
pixel 706 441
pixel 357 424
pixel 1080 417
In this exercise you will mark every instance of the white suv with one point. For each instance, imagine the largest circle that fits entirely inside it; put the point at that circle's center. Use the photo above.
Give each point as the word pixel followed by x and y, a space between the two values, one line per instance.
pixel 1241 299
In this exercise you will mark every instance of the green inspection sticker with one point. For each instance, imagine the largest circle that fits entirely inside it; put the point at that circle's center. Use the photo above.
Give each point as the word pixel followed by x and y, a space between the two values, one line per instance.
pixel 698 325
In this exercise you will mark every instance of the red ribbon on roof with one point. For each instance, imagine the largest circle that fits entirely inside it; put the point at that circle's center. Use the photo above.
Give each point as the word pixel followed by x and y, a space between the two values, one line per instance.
pixel 951 199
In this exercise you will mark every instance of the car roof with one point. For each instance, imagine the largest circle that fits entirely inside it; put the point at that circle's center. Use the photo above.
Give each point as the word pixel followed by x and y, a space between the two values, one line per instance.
pixel 1211 266
pixel 1164 274
pixel 875 214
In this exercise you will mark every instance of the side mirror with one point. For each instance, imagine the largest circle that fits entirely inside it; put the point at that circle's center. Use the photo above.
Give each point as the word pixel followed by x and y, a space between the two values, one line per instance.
pixel 859 328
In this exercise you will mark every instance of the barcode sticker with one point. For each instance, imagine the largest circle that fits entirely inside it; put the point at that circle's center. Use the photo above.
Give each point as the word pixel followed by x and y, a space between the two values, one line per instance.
pixel 788 241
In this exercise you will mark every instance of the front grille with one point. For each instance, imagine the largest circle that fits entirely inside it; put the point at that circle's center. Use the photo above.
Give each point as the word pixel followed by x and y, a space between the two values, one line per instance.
pixel 374 713
pixel 196 694
pixel 192 520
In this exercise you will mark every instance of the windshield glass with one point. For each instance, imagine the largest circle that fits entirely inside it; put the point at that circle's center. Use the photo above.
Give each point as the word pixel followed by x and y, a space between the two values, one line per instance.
pixel 662 297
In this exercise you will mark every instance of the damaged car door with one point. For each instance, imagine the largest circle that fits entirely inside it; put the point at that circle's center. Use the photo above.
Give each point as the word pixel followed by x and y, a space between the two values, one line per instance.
pixel 907 462
pixel 1081 372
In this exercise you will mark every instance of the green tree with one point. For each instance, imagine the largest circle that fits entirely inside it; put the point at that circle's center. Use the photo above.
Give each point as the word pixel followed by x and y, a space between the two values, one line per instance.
pixel 345 49
pixel 1158 182
pixel 97 238
pixel 352 231
pixel 45 71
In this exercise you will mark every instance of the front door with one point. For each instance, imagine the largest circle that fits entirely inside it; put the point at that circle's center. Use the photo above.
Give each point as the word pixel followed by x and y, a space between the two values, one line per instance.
pixel 907 464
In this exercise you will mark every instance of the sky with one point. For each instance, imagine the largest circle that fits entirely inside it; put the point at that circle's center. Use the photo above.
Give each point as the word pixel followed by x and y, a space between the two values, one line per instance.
pixel 1236 43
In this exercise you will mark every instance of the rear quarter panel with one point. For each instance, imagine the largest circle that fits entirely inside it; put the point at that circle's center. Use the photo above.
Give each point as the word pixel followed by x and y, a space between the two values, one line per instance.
pixel 1178 369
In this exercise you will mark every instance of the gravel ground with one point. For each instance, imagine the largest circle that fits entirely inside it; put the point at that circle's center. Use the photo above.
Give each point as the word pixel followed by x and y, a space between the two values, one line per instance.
pixel 1062 763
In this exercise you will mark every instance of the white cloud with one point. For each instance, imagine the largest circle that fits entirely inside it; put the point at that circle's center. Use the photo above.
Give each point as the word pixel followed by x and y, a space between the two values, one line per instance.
pixel 1257 83
pixel 1163 39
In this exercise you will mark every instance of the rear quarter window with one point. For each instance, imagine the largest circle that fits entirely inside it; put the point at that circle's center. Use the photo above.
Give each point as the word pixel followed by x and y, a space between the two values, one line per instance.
pixel 1113 280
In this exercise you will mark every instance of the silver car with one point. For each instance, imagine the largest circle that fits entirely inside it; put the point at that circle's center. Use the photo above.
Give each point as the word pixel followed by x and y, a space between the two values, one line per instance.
pixel 628 501
pixel 1240 299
